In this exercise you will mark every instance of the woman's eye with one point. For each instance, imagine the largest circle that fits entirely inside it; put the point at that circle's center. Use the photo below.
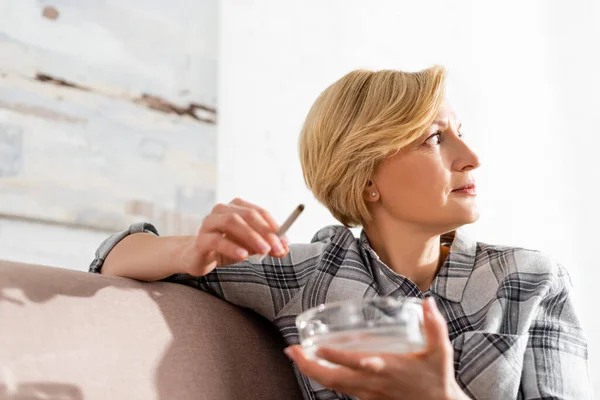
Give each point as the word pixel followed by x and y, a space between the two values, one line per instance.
pixel 435 138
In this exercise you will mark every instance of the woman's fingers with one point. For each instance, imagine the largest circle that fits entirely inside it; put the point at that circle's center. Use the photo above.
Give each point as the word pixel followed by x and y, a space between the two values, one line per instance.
pixel 262 221
pixel 345 358
pixel 265 214
pixel 227 247
pixel 258 219
pixel 342 379
pixel 436 328
pixel 353 360
pixel 210 245
pixel 235 227
pixel 237 230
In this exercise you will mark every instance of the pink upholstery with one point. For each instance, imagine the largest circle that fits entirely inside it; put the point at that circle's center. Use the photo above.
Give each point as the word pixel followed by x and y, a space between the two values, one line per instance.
pixel 73 335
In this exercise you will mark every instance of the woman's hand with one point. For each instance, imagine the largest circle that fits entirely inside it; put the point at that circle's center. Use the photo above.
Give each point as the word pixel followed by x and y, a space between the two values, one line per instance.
pixel 231 233
pixel 424 375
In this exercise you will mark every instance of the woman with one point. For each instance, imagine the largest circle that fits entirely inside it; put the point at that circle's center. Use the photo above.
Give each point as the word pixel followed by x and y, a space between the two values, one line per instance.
pixel 383 150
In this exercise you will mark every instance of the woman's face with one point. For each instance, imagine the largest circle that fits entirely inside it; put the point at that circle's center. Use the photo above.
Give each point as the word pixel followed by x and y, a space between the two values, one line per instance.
pixel 421 183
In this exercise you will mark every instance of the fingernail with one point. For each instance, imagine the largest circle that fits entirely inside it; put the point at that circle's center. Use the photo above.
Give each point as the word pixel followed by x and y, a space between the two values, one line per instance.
pixel 374 364
pixel 433 311
pixel 264 247
pixel 276 244
pixel 278 248
pixel 288 352
pixel 285 239
pixel 431 302
pixel 241 253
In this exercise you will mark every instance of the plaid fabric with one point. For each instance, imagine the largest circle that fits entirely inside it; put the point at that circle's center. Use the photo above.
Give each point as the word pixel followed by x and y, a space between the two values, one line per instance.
pixel 510 315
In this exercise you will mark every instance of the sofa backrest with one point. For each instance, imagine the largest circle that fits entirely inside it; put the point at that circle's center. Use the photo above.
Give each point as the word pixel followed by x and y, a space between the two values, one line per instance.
pixel 74 335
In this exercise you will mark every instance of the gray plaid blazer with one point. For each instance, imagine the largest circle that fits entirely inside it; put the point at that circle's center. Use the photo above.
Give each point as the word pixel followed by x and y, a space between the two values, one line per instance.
pixel 509 310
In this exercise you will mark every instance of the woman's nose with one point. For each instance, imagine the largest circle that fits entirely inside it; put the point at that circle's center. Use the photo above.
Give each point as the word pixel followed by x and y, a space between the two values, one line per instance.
pixel 467 159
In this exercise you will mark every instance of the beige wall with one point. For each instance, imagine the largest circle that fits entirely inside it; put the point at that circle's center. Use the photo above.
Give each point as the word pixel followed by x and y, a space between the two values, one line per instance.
pixel 107 116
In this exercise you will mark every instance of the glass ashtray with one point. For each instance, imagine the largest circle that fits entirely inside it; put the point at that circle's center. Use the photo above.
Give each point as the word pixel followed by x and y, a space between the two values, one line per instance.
pixel 376 325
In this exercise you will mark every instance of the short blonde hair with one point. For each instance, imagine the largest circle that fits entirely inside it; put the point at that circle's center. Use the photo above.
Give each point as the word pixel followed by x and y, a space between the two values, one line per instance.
pixel 358 122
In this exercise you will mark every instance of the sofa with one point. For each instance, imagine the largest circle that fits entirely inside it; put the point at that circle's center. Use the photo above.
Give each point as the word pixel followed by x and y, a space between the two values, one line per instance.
pixel 74 335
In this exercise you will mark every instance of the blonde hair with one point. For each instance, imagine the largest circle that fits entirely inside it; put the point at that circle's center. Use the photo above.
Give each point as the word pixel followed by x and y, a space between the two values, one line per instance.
pixel 358 122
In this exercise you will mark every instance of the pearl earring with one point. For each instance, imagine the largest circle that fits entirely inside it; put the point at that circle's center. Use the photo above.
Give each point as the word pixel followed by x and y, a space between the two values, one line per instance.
pixel 373 194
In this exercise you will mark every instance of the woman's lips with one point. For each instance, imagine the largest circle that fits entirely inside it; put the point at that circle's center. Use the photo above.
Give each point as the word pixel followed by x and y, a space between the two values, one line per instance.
pixel 467 189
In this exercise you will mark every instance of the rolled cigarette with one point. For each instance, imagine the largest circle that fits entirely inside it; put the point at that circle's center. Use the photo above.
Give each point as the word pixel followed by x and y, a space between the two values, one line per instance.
pixel 282 230
pixel 290 220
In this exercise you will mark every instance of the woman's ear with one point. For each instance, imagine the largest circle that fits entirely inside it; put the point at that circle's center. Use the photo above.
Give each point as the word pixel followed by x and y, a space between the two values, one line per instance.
pixel 371 193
